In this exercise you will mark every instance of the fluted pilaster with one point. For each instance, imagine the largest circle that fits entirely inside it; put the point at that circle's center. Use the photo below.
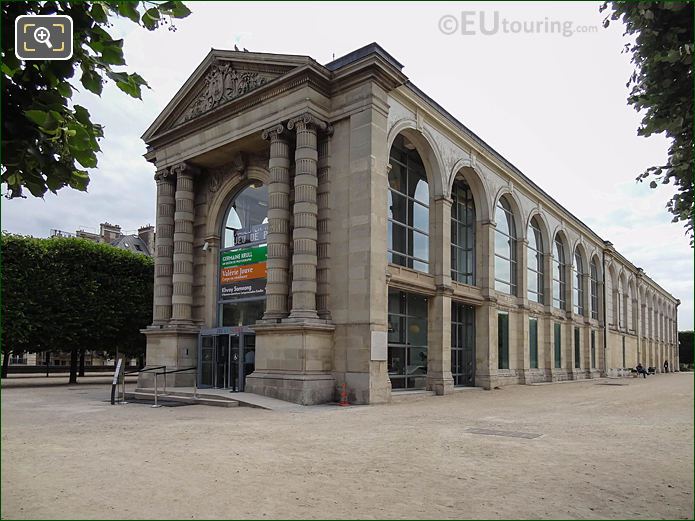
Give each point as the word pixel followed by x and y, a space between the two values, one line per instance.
pixel 323 237
pixel 182 277
pixel 164 247
pixel 277 287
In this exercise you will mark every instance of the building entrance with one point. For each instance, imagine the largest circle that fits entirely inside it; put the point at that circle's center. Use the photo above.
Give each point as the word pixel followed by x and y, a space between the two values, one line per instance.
pixel 227 355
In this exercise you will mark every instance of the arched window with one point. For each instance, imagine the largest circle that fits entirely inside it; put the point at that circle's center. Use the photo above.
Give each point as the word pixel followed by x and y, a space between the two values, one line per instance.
pixel 535 262
pixel 505 248
pixel 248 209
pixel 408 208
pixel 558 274
pixel 577 284
pixel 594 290
pixel 462 234
pixel 244 232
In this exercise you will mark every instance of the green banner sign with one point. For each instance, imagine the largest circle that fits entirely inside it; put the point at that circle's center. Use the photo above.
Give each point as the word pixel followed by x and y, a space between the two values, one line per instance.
pixel 244 256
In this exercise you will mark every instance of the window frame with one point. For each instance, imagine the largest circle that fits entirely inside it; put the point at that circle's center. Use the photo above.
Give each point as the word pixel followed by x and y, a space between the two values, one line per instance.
pixel 409 161
pixel 511 239
pixel 458 246
pixel 559 264
pixel 577 284
pixel 535 295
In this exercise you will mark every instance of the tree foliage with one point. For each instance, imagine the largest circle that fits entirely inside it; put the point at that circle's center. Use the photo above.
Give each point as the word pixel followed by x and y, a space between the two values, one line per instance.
pixel 662 89
pixel 686 348
pixel 47 141
pixel 66 294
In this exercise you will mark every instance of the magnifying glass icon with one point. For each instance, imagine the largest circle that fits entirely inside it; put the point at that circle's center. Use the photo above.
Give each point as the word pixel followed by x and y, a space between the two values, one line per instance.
pixel 42 35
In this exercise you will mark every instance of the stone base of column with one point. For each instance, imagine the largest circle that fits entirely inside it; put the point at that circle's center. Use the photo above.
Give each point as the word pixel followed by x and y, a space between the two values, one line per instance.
pixel 175 347
pixel 560 375
pixel 367 388
pixel 294 362
pixel 486 381
pixel 534 376
pixel 440 383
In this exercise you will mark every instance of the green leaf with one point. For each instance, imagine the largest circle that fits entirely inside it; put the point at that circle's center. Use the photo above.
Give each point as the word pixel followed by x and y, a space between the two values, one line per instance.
pixel 82 115
pixel 113 55
pixel 92 82
pixel 86 158
pixel 36 116
pixel 79 180
pixel 64 89
pixel 129 10
pixel 150 22
pixel 98 13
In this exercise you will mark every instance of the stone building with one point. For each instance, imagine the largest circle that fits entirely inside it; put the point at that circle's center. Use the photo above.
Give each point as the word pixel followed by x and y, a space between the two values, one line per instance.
pixel 328 224
pixel 143 242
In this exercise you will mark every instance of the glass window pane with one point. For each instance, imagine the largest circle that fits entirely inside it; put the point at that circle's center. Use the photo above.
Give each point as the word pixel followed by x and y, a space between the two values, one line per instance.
pixel 398 206
pixel 501 223
pixel 502 269
pixel 420 246
pixel 418 188
pixel 532 281
pixel 502 245
pixel 396 177
pixel 421 217
pixel 398 238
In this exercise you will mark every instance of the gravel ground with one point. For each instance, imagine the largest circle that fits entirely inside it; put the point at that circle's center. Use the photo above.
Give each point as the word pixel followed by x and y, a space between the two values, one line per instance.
pixel 604 451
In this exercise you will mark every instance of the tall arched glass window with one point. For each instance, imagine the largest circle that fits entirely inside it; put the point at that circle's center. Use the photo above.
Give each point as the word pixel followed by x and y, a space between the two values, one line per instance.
pixel 244 232
pixel 505 248
pixel 577 287
pixel 462 234
pixel 594 290
pixel 408 208
pixel 558 274
pixel 248 209
pixel 534 252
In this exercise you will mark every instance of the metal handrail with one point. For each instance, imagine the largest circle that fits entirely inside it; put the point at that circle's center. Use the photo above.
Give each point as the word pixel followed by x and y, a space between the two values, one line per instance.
pixel 145 370
pixel 121 376
pixel 165 372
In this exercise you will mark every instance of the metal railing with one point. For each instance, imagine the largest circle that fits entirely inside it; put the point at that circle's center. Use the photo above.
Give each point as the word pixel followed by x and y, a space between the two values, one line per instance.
pixel 165 372
pixel 119 378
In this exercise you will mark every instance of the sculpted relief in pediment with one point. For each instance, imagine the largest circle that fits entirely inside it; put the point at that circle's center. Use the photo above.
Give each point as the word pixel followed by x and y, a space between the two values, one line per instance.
pixel 223 83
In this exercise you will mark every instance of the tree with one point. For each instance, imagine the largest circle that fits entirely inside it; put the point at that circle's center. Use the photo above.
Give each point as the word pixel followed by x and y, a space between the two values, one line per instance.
pixel 662 87
pixel 65 294
pixel 685 346
pixel 47 141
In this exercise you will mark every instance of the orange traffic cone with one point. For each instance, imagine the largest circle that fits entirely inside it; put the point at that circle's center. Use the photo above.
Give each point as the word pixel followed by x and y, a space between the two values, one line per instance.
pixel 343 398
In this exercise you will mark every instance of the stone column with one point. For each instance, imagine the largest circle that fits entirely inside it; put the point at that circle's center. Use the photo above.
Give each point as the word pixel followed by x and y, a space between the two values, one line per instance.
pixel 164 247
pixel 486 360
pixel 182 279
pixel 568 325
pixel 304 236
pixel 439 377
pixel 323 237
pixel 521 344
pixel 277 287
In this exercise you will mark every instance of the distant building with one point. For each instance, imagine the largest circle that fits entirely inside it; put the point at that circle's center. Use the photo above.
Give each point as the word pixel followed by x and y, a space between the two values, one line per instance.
pixel 142 242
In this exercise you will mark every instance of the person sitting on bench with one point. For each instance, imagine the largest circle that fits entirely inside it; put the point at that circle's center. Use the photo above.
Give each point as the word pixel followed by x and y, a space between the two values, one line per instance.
pixel 641 370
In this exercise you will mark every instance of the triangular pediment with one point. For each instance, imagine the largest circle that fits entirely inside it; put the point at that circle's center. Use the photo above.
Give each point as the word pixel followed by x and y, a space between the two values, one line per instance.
pixel 222 78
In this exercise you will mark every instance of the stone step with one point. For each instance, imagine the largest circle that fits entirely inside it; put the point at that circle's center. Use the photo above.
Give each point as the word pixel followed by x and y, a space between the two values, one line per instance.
pixel 404 396
pixel 183 398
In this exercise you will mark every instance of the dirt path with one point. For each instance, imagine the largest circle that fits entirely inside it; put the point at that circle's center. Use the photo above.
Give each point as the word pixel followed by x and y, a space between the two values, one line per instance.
pixel 606 451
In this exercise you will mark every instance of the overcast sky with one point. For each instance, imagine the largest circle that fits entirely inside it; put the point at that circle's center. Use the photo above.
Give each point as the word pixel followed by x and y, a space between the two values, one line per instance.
pixel 551 102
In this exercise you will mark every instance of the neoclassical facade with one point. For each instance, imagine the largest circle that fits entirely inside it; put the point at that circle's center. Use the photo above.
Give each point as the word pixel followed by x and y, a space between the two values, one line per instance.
pixel 321 225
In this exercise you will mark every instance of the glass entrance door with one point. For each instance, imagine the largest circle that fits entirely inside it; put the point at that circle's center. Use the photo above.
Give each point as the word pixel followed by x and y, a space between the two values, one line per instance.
pixel 226 360
pixel 463 344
